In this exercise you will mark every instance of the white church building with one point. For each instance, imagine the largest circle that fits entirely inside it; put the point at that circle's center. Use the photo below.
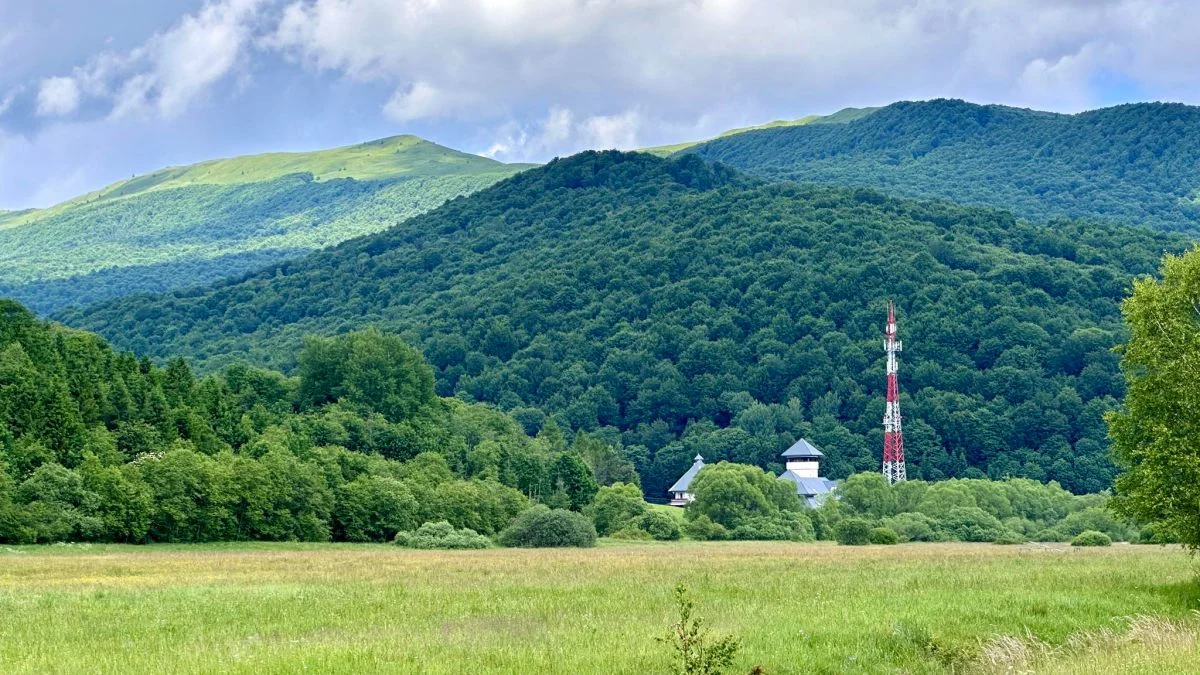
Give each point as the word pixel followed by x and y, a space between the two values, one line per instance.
pixel 680 496
pixel 802 466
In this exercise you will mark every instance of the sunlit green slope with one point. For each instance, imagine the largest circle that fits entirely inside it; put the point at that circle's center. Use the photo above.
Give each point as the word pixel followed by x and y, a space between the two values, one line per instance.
pixel 183 226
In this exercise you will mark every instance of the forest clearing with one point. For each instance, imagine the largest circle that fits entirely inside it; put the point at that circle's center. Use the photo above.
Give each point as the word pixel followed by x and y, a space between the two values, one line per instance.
pixel 274 608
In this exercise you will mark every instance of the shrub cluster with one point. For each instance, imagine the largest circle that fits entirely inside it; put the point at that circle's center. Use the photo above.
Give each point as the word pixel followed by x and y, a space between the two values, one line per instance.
pixel 883 535
pixel 853 532
pixel 659 526
pixel 1091 538
pixel 442 535
pixel 974 510
pixel 543 527
pixel 704 528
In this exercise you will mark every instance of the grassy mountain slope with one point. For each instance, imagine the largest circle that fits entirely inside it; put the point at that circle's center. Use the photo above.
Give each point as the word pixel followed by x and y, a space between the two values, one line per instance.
pixel 1134 164
pixel 840 117
pixel 189 225
pixel 679 307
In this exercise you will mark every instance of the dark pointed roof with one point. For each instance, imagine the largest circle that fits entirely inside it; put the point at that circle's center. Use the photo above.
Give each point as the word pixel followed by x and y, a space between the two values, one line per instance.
pixel 685 480
pixel 800 449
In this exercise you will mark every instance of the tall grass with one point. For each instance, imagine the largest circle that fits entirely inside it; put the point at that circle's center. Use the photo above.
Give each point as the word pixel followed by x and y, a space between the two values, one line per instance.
pixel 796 608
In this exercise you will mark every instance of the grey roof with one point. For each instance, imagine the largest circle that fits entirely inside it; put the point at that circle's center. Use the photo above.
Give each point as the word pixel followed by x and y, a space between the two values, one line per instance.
pixel 802 448
pixel 685 480
pixel 813 490
pixel 808 486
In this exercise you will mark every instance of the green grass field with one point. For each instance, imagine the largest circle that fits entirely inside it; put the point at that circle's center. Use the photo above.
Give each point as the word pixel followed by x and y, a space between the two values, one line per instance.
pixel 798 608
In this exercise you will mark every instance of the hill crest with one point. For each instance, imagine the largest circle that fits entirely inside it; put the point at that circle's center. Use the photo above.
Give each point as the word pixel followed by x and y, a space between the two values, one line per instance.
pixel 380 159
pixel 842 116
pixel 1132 163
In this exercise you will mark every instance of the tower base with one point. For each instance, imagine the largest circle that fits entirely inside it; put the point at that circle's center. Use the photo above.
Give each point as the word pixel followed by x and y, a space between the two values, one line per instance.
pixel 895 472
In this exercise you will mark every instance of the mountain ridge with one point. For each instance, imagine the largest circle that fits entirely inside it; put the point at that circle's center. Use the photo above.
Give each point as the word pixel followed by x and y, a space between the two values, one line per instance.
pixel 1132 163
pixel 351 161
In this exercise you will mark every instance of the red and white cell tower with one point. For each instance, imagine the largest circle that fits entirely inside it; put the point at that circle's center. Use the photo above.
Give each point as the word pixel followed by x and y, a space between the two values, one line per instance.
pixel 893 437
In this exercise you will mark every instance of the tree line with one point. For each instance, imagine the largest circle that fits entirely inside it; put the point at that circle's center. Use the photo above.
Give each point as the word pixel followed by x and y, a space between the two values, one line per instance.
pixel 97 445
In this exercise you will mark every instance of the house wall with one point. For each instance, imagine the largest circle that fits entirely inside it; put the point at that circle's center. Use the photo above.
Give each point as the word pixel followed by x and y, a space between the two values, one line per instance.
pixel 682 498
pixel 804 468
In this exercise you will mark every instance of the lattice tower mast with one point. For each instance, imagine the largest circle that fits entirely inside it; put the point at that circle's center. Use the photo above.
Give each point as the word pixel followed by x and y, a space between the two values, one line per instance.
pixel 893 437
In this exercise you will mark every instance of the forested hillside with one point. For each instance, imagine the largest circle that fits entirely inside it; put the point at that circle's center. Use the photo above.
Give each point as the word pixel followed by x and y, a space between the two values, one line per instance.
pixel 96 445
pixel 192 225
pixel 676 307
pixel 1133 164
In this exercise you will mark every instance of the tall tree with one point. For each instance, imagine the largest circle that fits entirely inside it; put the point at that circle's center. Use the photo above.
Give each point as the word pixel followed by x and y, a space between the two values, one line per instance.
pixel 1156 437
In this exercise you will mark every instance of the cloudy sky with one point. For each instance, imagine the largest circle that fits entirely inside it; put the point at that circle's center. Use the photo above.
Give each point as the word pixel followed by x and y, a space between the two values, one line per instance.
pixel 92 92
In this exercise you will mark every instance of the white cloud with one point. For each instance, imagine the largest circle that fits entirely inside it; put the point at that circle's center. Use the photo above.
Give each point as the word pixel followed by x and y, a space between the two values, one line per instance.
pixel 560 133
pixel 170 70
pixel 607 132
pixel 1063 83
pixel 530 79
pixel 58 96
pixel 736 61
pixel 422 100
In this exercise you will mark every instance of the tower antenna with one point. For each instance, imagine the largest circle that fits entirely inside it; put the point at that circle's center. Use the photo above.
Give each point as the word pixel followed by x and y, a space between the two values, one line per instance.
pixel 893 438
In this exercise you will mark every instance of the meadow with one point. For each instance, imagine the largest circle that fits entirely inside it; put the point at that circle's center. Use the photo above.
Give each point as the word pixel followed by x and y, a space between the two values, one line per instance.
pixel 797 608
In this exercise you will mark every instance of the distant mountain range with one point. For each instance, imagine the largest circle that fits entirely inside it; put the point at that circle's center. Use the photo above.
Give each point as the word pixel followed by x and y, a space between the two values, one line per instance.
pixel 1137 164
pixel 187 226
pixel 183 226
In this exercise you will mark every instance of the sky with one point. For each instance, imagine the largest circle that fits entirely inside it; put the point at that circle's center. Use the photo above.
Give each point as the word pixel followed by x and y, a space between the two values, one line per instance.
pixel 94 92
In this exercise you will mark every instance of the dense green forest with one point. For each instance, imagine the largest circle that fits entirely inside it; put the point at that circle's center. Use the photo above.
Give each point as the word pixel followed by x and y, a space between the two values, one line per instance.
pixel 677 307
pixel 193 225
pixel 97 445
pixel 1134 164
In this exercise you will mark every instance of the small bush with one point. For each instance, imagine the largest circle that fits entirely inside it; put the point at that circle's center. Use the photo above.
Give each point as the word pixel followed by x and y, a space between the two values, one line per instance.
pixel 1096 518
pixel 785 526
pixel 543 527
pixel 883 535
pixel 632 533
pixel 659 525
pixel 1009 539
pixel 853 532
pixel 616 506
pixel 1049 534
pixel 442 535
pixel 761 529
pixel 911 526
pixel 969 523
pixel 1091 538
pixel 705 529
